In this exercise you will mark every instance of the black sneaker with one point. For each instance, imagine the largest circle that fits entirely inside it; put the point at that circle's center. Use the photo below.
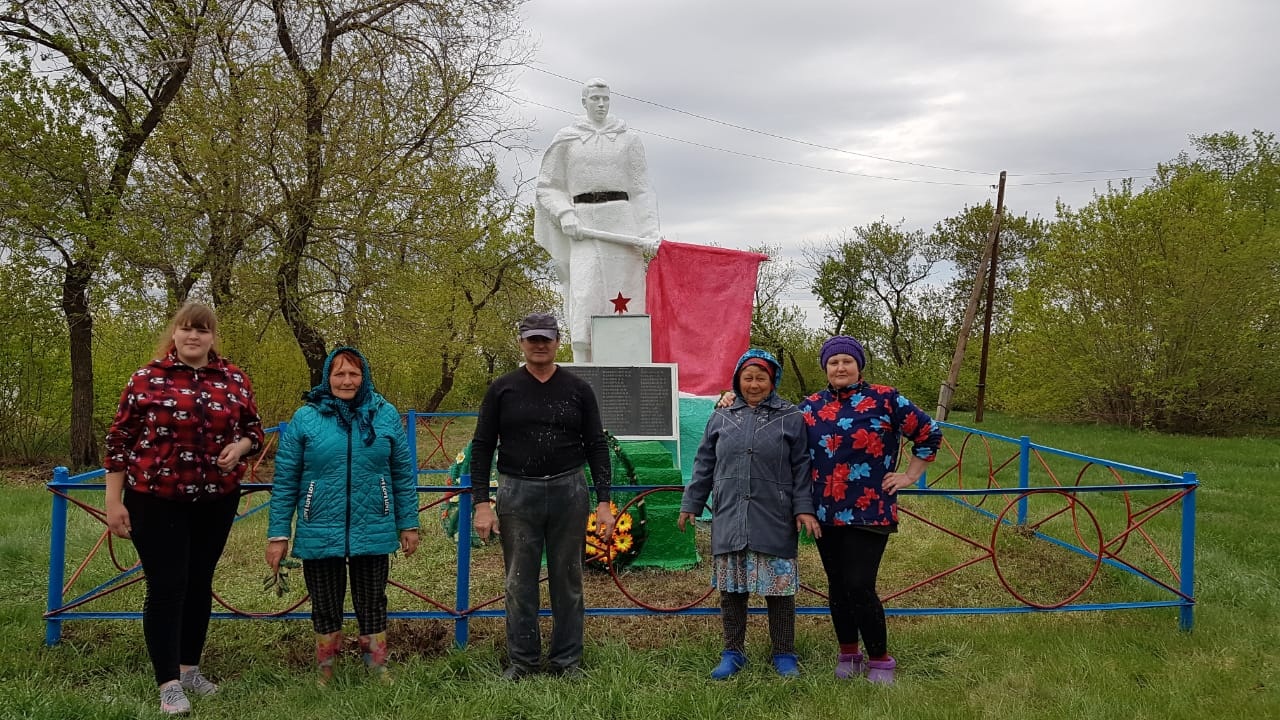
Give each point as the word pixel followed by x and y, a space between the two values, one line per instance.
pixel 517 672
pixel 568 672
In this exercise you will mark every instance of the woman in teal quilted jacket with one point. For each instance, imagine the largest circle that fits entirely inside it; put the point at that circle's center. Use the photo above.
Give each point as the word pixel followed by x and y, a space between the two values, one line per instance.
pixel 343 469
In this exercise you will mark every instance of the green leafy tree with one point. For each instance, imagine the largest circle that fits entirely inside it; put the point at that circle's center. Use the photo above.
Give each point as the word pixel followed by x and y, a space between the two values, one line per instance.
pixel 781 328
pixel 92 82
pixel 375 95
pixel 961 241
pixel 1159 307
pixel 868 283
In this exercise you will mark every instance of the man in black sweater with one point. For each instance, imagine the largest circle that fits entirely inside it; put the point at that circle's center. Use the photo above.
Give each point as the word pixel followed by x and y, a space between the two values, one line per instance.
pixel 548 423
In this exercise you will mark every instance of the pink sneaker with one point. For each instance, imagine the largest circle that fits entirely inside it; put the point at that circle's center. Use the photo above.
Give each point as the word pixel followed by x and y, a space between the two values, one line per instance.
pixel 850 665
pixel 881 671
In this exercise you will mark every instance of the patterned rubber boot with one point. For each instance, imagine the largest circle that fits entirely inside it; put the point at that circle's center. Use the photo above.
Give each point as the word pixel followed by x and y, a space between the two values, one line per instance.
pixel 328 646
pixel 374 649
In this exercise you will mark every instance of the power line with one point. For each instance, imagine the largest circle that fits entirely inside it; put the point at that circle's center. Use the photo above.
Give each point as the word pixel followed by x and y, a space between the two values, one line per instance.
pixel 807 143
pixel 1063 182
pixel 1083 172
pixel 526 101
pixel 763 157
pixel 768 134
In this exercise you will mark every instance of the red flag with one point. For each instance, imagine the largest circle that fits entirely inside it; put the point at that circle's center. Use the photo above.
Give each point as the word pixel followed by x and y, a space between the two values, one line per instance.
pixel 699 299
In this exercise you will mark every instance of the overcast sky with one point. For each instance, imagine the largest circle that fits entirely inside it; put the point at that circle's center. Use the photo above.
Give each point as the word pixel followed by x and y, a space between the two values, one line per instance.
pixel 1096 88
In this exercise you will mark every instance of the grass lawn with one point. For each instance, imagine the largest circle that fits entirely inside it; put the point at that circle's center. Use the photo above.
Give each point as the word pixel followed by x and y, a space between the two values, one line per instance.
pixel 1125 665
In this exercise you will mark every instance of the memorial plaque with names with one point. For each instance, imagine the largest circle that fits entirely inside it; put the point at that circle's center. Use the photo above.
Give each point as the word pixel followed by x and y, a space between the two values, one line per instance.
pixel 636 401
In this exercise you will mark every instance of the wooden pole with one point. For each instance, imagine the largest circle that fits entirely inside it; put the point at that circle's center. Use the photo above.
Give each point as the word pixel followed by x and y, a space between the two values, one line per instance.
pixel 991 299
pixel 948 388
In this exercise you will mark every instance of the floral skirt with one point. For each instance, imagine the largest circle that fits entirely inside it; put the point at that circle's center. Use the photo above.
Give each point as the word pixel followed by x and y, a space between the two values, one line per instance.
pixel 748 571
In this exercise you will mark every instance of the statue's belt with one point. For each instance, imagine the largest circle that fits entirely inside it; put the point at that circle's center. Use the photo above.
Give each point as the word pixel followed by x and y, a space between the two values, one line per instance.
pixel 599 197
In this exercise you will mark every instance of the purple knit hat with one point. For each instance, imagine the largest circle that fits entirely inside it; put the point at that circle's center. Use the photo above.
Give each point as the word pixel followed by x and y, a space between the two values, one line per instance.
pixel 843 344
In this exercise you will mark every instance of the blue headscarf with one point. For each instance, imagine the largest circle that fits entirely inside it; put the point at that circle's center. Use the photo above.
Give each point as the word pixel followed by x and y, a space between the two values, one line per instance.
pixel 360 410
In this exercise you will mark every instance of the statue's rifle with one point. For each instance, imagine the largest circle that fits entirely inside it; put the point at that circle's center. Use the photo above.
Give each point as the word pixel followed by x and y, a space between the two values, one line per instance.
pixel 648 244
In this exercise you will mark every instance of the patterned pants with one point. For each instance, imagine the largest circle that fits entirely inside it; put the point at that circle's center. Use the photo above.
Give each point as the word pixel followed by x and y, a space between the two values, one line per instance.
pixel 782 622
pixel 327 584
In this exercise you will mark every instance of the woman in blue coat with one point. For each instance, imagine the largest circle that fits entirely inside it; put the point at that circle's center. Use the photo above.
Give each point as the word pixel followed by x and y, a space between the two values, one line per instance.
pixel 343 469
pixel 755 457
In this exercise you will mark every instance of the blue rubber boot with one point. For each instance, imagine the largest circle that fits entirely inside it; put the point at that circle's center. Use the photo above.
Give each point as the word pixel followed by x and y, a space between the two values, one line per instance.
pixel 731 662
pixel 787 665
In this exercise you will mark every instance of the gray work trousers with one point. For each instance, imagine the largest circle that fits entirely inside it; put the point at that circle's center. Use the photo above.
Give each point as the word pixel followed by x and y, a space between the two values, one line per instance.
pixel 533 514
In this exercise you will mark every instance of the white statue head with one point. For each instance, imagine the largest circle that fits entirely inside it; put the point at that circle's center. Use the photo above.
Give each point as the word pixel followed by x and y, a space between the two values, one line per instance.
pixel 595 100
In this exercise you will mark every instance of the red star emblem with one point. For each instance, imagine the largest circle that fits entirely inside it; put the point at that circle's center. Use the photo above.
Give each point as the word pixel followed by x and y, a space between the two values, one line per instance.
pixel 620 303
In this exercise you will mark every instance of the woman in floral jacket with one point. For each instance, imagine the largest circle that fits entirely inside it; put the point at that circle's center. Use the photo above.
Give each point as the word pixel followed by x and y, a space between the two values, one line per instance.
pixel 854 432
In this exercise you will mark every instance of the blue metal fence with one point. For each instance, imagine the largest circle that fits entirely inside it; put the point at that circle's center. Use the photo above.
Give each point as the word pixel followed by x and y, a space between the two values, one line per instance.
pixel 1181 489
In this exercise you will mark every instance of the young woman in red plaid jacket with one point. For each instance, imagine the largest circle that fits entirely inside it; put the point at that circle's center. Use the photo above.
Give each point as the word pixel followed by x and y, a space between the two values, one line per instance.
pixel 174 458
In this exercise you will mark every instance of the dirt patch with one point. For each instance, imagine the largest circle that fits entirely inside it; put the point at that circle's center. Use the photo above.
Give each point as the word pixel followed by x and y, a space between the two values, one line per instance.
pixel 25 475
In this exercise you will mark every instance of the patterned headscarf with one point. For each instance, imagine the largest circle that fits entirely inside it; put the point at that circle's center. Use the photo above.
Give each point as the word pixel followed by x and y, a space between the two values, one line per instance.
pixel 360 410
pixel 752 357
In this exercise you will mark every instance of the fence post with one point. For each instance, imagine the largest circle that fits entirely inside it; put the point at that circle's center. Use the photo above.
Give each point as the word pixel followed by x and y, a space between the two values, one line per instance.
pixel 1188 565
pixel 1024 476
pixel 462 601
pixel 57 556
pixel 411 432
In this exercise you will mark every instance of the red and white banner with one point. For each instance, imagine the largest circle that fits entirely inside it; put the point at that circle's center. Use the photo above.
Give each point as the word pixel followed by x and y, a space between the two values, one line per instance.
pixel 699 299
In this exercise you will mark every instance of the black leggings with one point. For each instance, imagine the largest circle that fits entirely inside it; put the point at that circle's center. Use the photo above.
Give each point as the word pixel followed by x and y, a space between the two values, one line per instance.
pixel 851 557
pixel 179 544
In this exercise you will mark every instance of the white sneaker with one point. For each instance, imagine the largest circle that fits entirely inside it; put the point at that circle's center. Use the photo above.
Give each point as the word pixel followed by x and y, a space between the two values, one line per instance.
pixel 173 701
pixel 197 684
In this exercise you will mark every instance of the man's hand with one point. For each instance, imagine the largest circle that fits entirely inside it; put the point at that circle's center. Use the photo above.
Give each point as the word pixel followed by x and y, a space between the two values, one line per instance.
pixel 605 522
pixel 570 225
pixel 409 542
pixel 485 521
pixel 276 550
pixel 726 399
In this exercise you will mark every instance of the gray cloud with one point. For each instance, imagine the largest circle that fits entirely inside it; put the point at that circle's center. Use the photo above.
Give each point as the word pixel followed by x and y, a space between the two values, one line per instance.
pixel 1030 86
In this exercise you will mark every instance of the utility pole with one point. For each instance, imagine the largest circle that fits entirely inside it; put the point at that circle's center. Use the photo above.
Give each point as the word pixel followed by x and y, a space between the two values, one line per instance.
pixel 948 388
pixel 991 298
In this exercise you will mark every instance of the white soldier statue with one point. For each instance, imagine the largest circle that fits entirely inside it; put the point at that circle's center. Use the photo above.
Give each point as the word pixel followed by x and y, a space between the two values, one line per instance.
pixel 596 214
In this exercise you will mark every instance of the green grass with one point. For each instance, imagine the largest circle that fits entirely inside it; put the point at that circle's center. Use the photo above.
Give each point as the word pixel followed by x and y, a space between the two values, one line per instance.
pixel 1123 665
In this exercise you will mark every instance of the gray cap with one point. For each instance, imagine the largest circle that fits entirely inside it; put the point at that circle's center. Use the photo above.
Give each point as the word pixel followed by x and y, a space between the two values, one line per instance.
pixel 540 325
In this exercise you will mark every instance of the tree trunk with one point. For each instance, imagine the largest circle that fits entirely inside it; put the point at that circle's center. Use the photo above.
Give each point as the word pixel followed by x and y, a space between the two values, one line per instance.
pixel 75 306
pixel 448 370
pixel 310 341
